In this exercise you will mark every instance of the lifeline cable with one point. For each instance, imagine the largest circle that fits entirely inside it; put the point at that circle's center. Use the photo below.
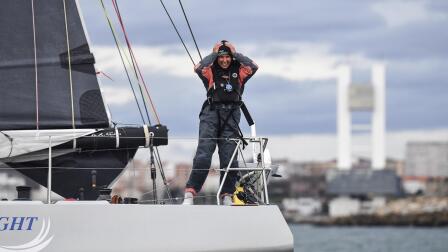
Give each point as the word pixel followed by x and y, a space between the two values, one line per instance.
pixel 122 59
pixel 94 168
pixel 189 27
pixel 178 34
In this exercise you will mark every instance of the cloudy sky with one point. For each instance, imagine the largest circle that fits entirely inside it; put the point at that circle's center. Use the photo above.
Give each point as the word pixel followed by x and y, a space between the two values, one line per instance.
pixel 298 46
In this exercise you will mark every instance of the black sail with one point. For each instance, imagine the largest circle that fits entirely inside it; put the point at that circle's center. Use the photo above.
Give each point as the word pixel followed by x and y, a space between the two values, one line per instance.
pixel 55 101
pixel 49 106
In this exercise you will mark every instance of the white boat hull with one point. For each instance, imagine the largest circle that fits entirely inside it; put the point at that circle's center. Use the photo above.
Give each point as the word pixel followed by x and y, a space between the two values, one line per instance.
pixel 96 226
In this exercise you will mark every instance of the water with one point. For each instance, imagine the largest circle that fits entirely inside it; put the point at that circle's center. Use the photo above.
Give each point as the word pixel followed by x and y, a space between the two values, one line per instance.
pixel 369 239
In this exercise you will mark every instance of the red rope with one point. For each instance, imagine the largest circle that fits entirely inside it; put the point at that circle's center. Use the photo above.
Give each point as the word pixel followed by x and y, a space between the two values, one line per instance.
pixel 131 52
pixel 103 73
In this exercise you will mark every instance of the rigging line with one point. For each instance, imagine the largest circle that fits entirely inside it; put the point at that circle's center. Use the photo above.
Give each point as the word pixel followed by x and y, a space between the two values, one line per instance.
pixel 133 68
pixel 162 172
pixel 192 139
pixel 134 59
pixel 122 59
pixel 118 42
pixel 191 31
pixel 35 66
pixel 137 69
pixel 69 65
pixel 133 185
pixel 178 34
pixel 106 75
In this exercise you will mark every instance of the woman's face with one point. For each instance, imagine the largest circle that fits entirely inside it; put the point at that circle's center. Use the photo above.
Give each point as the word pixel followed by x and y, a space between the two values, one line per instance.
pixel 224 61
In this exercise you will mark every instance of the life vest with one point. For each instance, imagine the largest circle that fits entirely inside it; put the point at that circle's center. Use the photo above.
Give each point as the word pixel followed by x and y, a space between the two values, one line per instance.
pixel 227 87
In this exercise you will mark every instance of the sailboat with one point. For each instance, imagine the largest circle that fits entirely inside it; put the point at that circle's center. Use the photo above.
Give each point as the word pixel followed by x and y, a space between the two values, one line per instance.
pixel 56 130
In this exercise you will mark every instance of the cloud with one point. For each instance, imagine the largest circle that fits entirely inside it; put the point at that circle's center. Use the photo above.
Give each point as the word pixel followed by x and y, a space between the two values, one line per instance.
pixel 294 61
pixel 151 59
pixel 117 95
pixel 349 26
pixel 400 13
pixel 302 61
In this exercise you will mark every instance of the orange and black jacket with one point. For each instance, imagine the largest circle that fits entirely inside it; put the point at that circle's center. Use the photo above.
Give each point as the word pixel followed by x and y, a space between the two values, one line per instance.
pixel 246 68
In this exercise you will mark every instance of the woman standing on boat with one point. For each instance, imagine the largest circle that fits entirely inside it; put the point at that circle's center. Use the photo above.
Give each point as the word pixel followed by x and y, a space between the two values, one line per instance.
pixel 224 73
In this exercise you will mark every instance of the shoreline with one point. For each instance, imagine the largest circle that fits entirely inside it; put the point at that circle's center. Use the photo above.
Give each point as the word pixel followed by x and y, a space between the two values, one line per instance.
pixel 435 219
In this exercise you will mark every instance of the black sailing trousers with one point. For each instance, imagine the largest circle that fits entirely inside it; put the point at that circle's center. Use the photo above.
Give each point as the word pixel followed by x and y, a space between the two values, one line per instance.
pixel 212 124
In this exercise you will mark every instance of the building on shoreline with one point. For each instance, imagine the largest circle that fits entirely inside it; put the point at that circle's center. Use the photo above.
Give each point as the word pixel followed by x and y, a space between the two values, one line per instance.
pixel 426 170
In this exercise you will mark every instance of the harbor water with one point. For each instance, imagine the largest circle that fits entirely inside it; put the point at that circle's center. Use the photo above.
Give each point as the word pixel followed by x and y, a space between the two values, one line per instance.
pixel 309 238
